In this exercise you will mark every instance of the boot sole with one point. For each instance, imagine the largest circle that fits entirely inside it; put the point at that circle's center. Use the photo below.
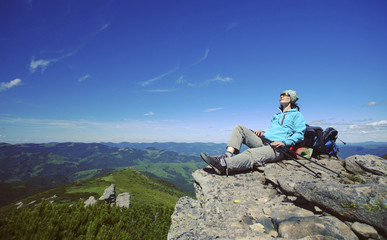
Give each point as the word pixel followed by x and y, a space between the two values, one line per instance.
pixel 204 157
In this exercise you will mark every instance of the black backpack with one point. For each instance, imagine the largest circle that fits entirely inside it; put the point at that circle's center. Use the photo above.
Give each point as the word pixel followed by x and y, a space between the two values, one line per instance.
pixel 323 142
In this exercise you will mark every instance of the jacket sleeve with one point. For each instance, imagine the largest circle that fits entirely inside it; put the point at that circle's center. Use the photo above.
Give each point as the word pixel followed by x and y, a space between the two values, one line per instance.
pixel 298 131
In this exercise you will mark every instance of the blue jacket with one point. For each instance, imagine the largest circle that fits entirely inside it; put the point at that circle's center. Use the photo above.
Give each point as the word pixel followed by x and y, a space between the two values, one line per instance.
pixel 287 127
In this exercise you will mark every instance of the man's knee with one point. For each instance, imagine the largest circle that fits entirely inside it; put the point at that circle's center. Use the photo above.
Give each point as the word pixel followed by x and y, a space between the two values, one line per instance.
pixel 240 128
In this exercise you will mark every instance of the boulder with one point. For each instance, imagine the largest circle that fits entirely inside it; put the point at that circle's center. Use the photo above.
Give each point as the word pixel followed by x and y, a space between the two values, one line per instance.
pixel 109 195
pixel 327 226
pixel 90 201
pixel 123 200
pixel 363 164
pixel 367 169
pixel 365 231
pixel 366 203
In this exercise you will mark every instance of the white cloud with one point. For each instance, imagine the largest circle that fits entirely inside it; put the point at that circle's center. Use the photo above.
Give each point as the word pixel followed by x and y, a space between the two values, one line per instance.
pixel 224 130
pixel 7 85
pixel 218 78
pixel 160 90
pixel 357 130
pixel 42 64
pixel 202 59
pixel 55 130
pixel 181 80
pixel 382 123
pixel 371 104
pixel 84 77
pixel 206 52
pixel 213 109
pixel 149 114
pixel 147 82
pixel 354 127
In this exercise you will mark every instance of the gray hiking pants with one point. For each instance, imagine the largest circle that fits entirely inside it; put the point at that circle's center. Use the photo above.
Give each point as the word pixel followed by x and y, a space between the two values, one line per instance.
pixel 257 155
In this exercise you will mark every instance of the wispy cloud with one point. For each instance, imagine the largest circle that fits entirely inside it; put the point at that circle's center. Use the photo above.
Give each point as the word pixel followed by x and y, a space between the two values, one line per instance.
pixel 55 130
pixel 40 63
pixel 373 104
pixel 147 82
pixel 202 59
pixel 49 123
pixel 357 131
pixel 381 123
pixel 84 77
pixel 218 78
pixel 213 109
pixel 7 85
pixel 44 63
pixel 160 90
pixel 181 80
pixel 149 114
pixel 379 127
pixel 205 56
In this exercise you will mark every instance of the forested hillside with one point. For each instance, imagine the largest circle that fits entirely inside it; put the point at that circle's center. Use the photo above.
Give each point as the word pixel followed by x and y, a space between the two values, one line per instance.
pixel 30 168
pixel 62 215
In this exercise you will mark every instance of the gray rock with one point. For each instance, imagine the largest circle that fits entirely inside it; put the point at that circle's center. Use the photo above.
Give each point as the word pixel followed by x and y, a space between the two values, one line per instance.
pixel 189 211
pixel 328 226
pixel 227 208
pixel 366 203
pixel 362 164
pixel 275 203
pixel 123 200
pixel 90 201
pixel 109 195
pixel 367 169
pixel 364 230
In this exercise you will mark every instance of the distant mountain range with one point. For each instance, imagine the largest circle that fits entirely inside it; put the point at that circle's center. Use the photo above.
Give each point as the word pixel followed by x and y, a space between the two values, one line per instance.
pixel 29 168
pixel 184 148
pixel 346 150
pixel 42 166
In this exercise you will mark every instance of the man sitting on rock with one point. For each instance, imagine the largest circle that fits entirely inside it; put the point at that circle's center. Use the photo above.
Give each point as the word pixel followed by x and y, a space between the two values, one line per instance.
pixel 286 129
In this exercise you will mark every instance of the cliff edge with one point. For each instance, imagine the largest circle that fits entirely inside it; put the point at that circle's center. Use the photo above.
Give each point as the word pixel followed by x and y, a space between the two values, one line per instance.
pixel 285 201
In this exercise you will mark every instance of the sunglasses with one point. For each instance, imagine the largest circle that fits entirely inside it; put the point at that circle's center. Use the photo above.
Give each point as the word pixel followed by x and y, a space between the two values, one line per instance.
pixel 284 95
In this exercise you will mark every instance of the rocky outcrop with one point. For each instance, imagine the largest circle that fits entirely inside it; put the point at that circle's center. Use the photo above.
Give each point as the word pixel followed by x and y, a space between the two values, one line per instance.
pixel 285 201
pixel 90 201
pixel 109 196
pixel 123 200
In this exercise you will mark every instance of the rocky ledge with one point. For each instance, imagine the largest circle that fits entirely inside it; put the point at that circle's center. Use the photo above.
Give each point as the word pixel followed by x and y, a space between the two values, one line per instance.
pixel 285 201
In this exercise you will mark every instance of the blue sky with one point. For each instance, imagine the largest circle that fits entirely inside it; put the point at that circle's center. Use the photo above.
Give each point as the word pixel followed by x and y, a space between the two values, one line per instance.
pixel 188 71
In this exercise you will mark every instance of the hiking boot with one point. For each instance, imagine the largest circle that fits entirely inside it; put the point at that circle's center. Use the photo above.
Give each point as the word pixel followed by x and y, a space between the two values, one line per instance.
pixel 214 162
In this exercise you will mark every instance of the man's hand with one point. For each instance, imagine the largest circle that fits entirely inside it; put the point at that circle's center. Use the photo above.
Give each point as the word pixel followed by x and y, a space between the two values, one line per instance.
pixel 259 133
pixel 277 144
